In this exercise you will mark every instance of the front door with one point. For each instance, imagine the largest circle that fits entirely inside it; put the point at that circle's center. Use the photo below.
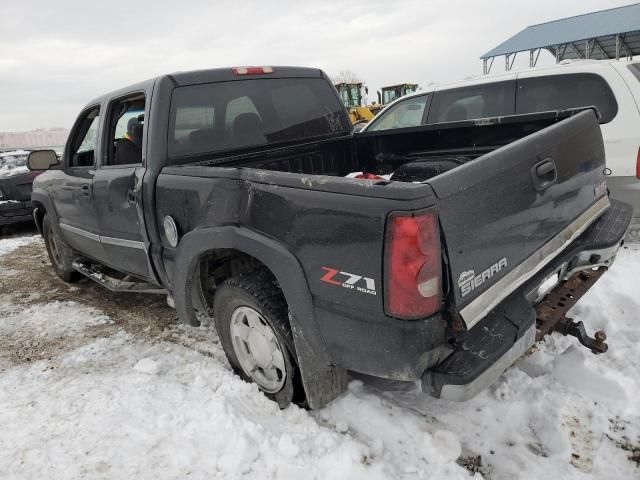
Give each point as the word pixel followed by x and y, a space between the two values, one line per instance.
pixel 116 187
pixel 73 194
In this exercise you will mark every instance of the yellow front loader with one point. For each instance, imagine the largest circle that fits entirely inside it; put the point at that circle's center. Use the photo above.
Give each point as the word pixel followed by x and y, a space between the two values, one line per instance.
pixel 390 93
pixel 351 96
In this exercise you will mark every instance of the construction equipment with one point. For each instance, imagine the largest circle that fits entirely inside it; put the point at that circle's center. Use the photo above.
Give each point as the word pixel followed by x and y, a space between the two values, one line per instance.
pixel 351 94
pixel 390 93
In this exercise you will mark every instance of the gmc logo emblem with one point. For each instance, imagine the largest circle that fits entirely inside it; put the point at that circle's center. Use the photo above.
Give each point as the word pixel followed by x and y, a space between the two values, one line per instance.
pixel 351 281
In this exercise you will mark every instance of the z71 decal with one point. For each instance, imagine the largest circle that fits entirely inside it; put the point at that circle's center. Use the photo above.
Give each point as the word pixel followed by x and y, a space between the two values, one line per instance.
pixel 351 281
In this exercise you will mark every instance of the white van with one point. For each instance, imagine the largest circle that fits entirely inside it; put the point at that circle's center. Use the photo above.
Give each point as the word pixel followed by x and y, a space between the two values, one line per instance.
pixel 612 86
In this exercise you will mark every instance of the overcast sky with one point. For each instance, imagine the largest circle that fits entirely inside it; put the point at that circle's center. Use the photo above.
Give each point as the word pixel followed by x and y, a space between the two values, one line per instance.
pixel 57 55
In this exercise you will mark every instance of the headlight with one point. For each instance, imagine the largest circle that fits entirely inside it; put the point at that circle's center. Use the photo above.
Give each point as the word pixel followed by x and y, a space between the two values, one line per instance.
pixel 1 194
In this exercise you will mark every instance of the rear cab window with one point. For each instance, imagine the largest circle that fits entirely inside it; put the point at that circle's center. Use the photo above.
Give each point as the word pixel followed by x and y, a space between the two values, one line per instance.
pixel 222 116
pixel 475 101
pixel 564 91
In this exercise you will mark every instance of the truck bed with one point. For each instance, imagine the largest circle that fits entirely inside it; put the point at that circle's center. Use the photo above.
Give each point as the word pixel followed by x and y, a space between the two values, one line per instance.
pixel 496 215
pixel 383 153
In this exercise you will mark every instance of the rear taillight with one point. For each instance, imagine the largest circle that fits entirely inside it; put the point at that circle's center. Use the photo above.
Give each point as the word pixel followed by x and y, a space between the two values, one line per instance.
pixel 638 164
pixel 251 70
pixel 413 265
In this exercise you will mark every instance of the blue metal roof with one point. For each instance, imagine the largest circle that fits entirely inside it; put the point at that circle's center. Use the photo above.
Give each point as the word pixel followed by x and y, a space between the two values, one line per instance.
pixel 605 23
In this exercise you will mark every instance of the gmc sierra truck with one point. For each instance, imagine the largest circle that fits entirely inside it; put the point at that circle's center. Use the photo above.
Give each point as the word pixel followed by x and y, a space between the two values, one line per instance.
pixel 437 253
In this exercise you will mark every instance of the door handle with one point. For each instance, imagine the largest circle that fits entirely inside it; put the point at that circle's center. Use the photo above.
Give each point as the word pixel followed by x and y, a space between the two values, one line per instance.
pixel 85 190
pixel 544 174
pixel 548 168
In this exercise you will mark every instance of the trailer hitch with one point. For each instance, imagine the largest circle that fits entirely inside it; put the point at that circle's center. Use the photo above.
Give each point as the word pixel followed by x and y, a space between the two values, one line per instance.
pixel 597 345
pixel 551 312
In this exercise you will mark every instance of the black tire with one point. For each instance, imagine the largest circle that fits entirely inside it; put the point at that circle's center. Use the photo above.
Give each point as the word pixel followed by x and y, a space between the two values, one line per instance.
pixel 260 292
pixel 60 254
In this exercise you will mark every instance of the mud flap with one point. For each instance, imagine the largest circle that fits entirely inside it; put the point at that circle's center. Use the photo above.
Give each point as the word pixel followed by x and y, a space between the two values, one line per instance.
pixel 322 383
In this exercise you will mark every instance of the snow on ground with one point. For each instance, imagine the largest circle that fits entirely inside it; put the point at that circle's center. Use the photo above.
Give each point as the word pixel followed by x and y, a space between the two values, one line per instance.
pixel 128 406
pixel 8 245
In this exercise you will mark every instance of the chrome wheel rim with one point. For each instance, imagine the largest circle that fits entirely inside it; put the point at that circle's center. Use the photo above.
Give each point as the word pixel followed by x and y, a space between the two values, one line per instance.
pixel 257 349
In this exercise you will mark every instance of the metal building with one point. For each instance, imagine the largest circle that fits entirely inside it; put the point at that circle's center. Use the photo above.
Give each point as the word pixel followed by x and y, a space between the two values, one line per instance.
pixel 52 138
pixel 606 34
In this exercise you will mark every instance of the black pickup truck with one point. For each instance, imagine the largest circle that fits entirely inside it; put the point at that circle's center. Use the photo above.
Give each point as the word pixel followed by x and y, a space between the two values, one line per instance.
pixel 232 191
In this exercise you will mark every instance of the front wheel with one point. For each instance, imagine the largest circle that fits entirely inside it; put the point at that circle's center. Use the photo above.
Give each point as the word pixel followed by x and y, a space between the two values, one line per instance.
pixel 60 254
pixel 251 318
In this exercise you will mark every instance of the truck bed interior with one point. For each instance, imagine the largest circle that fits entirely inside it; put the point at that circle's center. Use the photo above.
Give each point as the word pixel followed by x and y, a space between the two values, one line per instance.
pixel 413 155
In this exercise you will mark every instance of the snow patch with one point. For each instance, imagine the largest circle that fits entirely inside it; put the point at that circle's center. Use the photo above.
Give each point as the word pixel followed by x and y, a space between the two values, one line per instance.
pixel 48 320
pixel 148 366
pixel 126 407
pixel 8 245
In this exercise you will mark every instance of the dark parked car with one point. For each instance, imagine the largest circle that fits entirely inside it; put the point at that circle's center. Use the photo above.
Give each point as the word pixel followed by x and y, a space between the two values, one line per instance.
pixel 15 188
pixel 226 190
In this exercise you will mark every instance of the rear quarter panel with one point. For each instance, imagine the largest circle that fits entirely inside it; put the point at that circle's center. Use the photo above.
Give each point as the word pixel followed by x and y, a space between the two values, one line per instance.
pixel 325 229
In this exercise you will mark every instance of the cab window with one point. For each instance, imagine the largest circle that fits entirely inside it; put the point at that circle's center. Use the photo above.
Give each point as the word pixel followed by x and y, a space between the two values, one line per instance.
pixel 192 118
pixel 237 107
pixel 560 92
pixel 126 127
pixel 216 117
pixel 407 113
pixel 84 140
pixel 476 101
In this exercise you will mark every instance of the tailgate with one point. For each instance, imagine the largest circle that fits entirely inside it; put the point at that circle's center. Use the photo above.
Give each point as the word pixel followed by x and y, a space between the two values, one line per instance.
pixel 508 213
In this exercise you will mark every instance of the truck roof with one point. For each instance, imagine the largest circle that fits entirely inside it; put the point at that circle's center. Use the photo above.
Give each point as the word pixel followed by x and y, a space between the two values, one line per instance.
pixel 211 75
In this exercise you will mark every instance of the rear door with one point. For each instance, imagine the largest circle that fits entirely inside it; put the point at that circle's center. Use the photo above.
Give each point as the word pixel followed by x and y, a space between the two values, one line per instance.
pixel 507 213
pixel 117 186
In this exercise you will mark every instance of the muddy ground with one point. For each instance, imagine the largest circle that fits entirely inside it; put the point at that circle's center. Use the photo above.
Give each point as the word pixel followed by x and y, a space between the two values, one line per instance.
pixel 27 279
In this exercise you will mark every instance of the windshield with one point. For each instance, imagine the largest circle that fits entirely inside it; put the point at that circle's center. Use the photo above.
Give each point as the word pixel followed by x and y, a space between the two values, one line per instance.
pixel 350 95
pixel 389 96
pixel 406 113
pixel 229 115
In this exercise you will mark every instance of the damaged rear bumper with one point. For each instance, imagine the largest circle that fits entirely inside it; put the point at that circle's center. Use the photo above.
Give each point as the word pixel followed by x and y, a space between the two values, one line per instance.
pixel 510 329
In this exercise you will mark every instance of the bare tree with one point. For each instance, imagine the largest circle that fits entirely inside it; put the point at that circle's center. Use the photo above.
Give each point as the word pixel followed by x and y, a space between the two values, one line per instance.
pixel 347 76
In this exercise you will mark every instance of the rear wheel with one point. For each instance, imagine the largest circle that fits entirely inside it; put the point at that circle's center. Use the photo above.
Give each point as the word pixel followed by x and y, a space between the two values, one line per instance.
pixel 251 318
pixel 60 254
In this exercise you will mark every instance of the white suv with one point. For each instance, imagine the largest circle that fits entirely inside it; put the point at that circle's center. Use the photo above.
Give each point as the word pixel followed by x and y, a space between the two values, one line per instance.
pixel 612 86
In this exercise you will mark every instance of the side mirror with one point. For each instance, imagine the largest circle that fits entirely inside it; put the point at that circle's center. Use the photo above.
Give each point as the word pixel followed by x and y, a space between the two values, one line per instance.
pixel 40 160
